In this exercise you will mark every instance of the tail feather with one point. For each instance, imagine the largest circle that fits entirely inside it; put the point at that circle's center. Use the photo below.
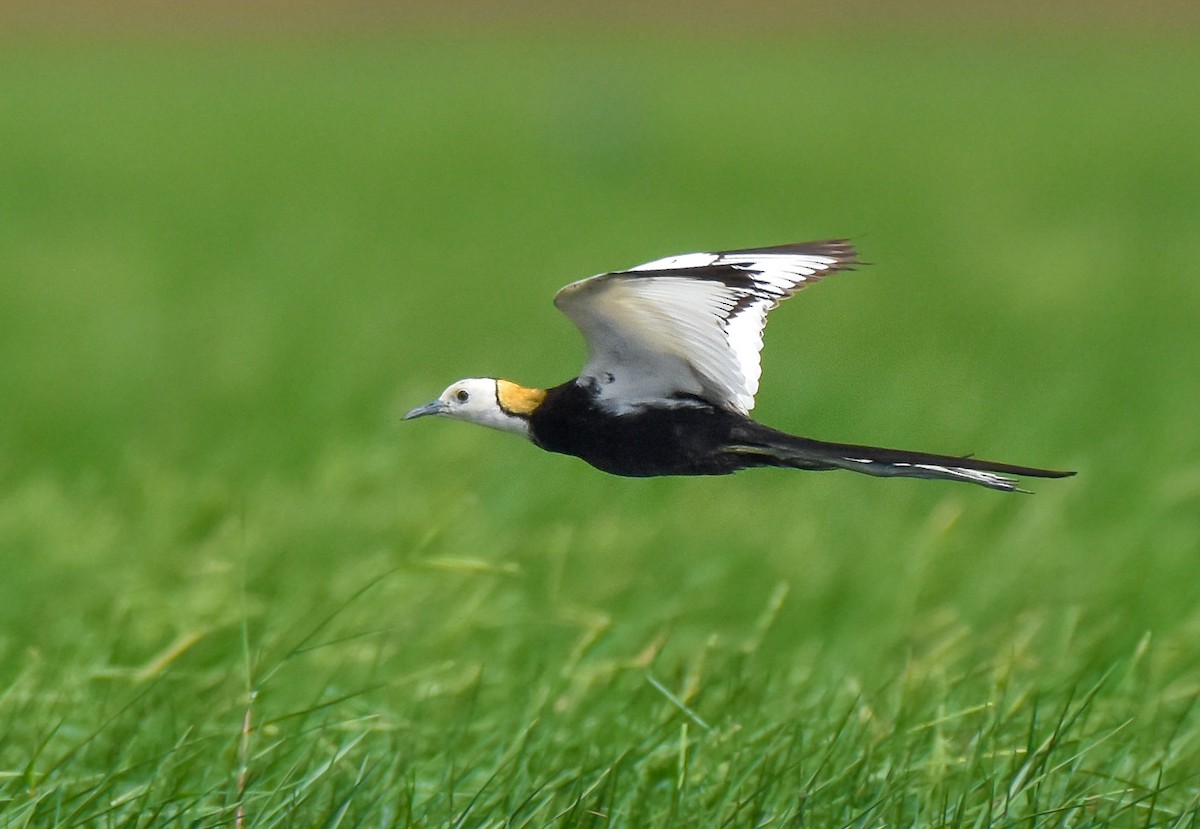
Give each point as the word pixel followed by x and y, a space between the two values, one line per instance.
pixel 806 453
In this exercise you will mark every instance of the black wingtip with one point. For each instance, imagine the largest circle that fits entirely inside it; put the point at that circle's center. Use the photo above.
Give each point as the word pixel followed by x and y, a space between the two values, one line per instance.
pixel 842 250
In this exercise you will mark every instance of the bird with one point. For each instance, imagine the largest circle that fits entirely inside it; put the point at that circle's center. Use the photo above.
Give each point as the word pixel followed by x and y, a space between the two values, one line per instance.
pixel 672 370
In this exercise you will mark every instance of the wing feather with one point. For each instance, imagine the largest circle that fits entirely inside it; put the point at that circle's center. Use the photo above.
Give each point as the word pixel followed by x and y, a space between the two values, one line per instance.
pixel 690 325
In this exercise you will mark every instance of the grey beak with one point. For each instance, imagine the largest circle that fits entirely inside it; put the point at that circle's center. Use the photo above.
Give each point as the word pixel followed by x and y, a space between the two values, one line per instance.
pixel 435 408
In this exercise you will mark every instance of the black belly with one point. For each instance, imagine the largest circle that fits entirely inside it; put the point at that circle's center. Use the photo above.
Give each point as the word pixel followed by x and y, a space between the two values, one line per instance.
pixel 688 439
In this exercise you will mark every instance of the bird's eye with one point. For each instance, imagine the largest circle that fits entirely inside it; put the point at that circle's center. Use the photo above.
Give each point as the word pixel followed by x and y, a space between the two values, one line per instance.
pixel 462 396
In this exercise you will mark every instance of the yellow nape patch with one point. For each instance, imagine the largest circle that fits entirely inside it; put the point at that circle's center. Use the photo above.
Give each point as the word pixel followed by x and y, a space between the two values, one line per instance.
pixel 518 400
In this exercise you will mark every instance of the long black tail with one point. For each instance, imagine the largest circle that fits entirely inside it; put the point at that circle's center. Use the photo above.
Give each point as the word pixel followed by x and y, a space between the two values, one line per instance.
pixel 781 449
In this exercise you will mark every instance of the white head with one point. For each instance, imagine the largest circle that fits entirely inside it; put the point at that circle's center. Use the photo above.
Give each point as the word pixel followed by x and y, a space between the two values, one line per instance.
pixel 498 404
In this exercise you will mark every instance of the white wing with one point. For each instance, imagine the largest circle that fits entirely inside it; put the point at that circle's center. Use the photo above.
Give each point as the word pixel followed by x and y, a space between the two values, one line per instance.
pixel 690 325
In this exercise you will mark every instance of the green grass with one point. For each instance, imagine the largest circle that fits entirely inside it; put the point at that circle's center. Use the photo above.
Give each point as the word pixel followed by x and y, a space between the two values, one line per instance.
pixel 238 591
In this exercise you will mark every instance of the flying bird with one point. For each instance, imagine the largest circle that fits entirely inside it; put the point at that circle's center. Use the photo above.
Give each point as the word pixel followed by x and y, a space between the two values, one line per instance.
pixel 672 370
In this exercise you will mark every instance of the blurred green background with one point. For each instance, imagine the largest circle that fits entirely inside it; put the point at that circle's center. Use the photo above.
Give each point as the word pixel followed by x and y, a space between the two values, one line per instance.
pixel 228 263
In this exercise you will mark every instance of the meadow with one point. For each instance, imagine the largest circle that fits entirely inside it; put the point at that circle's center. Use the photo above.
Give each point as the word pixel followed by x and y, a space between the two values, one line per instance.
pixel 238 591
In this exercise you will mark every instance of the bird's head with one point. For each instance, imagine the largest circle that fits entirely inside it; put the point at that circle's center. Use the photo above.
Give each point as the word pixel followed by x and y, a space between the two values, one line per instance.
pixel 487 401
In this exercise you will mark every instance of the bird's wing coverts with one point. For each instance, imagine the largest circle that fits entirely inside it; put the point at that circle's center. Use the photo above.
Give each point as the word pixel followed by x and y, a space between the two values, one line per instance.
pixel 690 324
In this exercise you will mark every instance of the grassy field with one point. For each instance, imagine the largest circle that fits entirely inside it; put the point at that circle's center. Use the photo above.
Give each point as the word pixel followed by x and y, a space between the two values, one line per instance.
pixel 237 591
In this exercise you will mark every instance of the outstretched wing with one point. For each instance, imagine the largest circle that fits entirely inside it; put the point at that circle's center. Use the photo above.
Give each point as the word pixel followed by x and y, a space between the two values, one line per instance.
pixel 689 325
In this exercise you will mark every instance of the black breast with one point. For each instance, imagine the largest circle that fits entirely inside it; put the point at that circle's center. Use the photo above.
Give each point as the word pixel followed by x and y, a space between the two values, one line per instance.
pixel 655 440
